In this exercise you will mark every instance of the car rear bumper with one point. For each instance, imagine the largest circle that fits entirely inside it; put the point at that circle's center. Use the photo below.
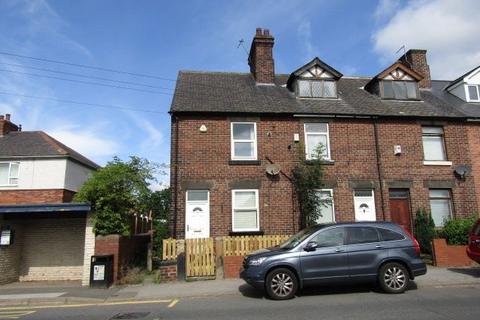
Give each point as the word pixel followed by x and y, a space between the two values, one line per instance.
pixel 253 277
pixel 474 255
pixel 419 269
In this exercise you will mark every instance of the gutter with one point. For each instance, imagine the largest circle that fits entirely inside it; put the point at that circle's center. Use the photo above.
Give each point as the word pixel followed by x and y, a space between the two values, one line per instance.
pixel 379 167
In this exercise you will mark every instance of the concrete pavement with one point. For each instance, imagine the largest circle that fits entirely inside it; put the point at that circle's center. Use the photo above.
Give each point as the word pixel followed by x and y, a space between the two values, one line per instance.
pixel 31 294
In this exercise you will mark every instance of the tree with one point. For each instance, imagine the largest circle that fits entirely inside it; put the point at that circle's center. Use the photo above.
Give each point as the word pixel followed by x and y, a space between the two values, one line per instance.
pixel 160 204
pixel 307 179
pixel 117 191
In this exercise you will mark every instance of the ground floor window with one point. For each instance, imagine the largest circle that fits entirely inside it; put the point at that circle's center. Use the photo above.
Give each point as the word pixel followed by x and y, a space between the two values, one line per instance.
pixel 327 211
pixel 245 210
pixel 440 205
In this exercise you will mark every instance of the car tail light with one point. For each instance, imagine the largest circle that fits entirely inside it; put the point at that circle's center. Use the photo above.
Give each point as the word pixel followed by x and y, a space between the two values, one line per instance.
pixel 415 242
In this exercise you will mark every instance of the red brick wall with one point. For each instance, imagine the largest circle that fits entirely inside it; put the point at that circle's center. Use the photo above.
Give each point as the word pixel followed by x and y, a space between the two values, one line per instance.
pixel 450 256
pixel 126 251
pixel 35 196
pixel 231 266
pixel 205 156
pixel 168 273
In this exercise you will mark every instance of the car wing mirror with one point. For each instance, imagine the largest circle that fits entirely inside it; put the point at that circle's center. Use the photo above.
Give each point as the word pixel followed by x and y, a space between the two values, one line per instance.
pixel 311 246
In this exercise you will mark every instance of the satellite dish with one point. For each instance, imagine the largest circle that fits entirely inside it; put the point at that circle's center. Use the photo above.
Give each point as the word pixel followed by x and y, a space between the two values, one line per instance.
pixel 273 169
pixel 462 171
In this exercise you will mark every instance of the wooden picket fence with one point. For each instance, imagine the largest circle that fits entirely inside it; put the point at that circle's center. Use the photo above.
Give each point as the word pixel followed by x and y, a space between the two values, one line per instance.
pixel 169 249
pixel 241 246
pixel 200 257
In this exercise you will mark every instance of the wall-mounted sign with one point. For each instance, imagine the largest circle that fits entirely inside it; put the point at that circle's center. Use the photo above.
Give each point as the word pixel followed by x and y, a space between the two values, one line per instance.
pixel 6 236
pixel 99 272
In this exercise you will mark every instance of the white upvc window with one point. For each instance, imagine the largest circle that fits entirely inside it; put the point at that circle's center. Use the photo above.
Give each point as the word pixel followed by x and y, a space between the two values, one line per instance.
pixel 9 173
pixel 433 144
pixel 317 134
pixel 244 140
pixel 317 88
pixel 440 206
pixel 327 210
pixel 473 93
pixel 245 210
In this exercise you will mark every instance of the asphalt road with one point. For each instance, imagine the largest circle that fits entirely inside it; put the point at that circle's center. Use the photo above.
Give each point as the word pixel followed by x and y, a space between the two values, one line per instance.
pixel 331 303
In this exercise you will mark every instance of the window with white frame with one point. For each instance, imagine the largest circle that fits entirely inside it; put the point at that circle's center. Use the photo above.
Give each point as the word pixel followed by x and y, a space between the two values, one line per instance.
pixel 440 206
pixel 474 92
pixel 433 144
pixel 9 173
pixel 245 210
pixel 327 211
pixel 316 134
pixel 244 140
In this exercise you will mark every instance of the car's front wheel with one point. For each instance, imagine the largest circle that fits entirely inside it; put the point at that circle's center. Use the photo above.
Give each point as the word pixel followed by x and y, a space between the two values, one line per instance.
pixel 393 278
pixel 281 284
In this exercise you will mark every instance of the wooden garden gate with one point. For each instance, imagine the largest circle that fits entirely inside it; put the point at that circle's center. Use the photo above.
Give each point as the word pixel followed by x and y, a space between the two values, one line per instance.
pixel 200 257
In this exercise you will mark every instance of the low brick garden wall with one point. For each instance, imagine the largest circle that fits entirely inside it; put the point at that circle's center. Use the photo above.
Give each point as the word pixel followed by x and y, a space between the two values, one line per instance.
pixel 450 256
pixel 231 266
pixel 168 270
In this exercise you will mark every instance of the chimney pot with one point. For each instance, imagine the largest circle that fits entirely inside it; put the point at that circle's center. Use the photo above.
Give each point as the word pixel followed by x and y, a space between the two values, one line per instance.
pixel 6 126
pixel 7 116
pixel 266 32
pixel 2 117
pixel 259 32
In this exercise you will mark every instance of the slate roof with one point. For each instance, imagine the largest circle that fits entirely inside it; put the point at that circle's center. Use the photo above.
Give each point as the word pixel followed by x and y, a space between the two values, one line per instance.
pixel 452 83
pixel 38 144
pixel 224 92
pixel 470 109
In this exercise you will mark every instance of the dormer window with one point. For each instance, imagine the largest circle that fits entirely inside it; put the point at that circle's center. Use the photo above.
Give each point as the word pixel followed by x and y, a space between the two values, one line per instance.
pixel 316 79
pixel 317 89
pixel 400 90
pixel 474 93
pixel 397 82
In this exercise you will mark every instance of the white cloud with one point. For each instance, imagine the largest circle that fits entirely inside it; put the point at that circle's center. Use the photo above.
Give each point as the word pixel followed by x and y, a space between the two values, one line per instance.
pixel 448 29
pixel 386 8
pixel 87 141
pixel 304 33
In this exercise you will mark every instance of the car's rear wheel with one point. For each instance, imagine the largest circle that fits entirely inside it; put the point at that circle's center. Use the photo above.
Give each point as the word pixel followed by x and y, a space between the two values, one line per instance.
pixel 281 284
pixel 393 278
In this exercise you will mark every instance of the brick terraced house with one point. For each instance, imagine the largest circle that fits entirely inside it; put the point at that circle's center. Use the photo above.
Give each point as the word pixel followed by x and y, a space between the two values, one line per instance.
pixel 393 143
pixel 44 236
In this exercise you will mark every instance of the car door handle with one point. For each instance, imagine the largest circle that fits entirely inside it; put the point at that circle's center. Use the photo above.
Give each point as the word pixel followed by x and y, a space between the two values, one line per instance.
pixel 378 246
pixel 339 250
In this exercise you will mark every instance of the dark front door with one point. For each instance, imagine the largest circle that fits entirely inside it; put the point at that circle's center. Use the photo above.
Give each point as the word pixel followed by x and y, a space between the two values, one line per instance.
pixel 400 207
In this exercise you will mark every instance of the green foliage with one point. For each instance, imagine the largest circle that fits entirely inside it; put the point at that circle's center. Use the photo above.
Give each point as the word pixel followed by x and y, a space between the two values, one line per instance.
pixel 424 230
pixel 160 204
pixel 117 191
pixel 307 179
pixel 456 230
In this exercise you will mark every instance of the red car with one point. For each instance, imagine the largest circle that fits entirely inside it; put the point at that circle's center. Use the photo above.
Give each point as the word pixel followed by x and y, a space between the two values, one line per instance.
pixel 473 249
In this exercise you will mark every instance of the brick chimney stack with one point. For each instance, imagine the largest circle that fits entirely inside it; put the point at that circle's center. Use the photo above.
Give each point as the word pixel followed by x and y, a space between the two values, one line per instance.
pixel 6 125
pixel 416 59
pixel 260 58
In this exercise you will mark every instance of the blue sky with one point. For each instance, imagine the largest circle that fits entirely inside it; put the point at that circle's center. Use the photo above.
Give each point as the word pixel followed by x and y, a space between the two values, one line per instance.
pixel 161 37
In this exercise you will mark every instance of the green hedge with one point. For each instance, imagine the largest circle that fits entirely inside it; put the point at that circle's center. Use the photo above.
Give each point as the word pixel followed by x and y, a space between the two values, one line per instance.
pixel 456 230
pixel 424 230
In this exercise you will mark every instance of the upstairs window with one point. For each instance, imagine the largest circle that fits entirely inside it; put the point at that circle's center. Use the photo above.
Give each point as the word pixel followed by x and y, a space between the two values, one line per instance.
pixel 433 144
pixel 474 93
pixel 244 141
pixel 9 173
pixel 317 89
pixel 316 134
pixel 400 90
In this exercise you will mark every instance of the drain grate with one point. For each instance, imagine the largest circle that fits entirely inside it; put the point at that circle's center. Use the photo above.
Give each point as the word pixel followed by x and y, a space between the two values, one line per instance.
pixel 130 315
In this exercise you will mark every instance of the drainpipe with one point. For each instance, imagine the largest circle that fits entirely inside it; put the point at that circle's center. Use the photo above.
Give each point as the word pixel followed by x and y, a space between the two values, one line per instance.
pixel 175 180
pixel 379 166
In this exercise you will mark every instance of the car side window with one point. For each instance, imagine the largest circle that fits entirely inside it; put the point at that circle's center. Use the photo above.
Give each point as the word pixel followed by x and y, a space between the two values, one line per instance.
pixel 330 238
pixel 389 235
pixel 476 229
pixel 362 235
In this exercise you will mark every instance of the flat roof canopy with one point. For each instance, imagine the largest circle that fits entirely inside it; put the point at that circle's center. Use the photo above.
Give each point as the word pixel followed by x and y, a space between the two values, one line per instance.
pixel 45 208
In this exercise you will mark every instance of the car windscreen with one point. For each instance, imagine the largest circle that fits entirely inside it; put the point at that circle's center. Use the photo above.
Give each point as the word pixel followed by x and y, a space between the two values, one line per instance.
pixel 296 239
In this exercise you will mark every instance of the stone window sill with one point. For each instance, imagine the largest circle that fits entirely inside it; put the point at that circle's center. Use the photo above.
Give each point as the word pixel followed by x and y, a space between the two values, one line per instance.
pixel 324 162
pixel 246 233
pixel 437 163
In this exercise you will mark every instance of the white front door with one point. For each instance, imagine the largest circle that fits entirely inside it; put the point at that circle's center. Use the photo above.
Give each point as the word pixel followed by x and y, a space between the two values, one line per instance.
pixel 364 202
pixel 197 214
